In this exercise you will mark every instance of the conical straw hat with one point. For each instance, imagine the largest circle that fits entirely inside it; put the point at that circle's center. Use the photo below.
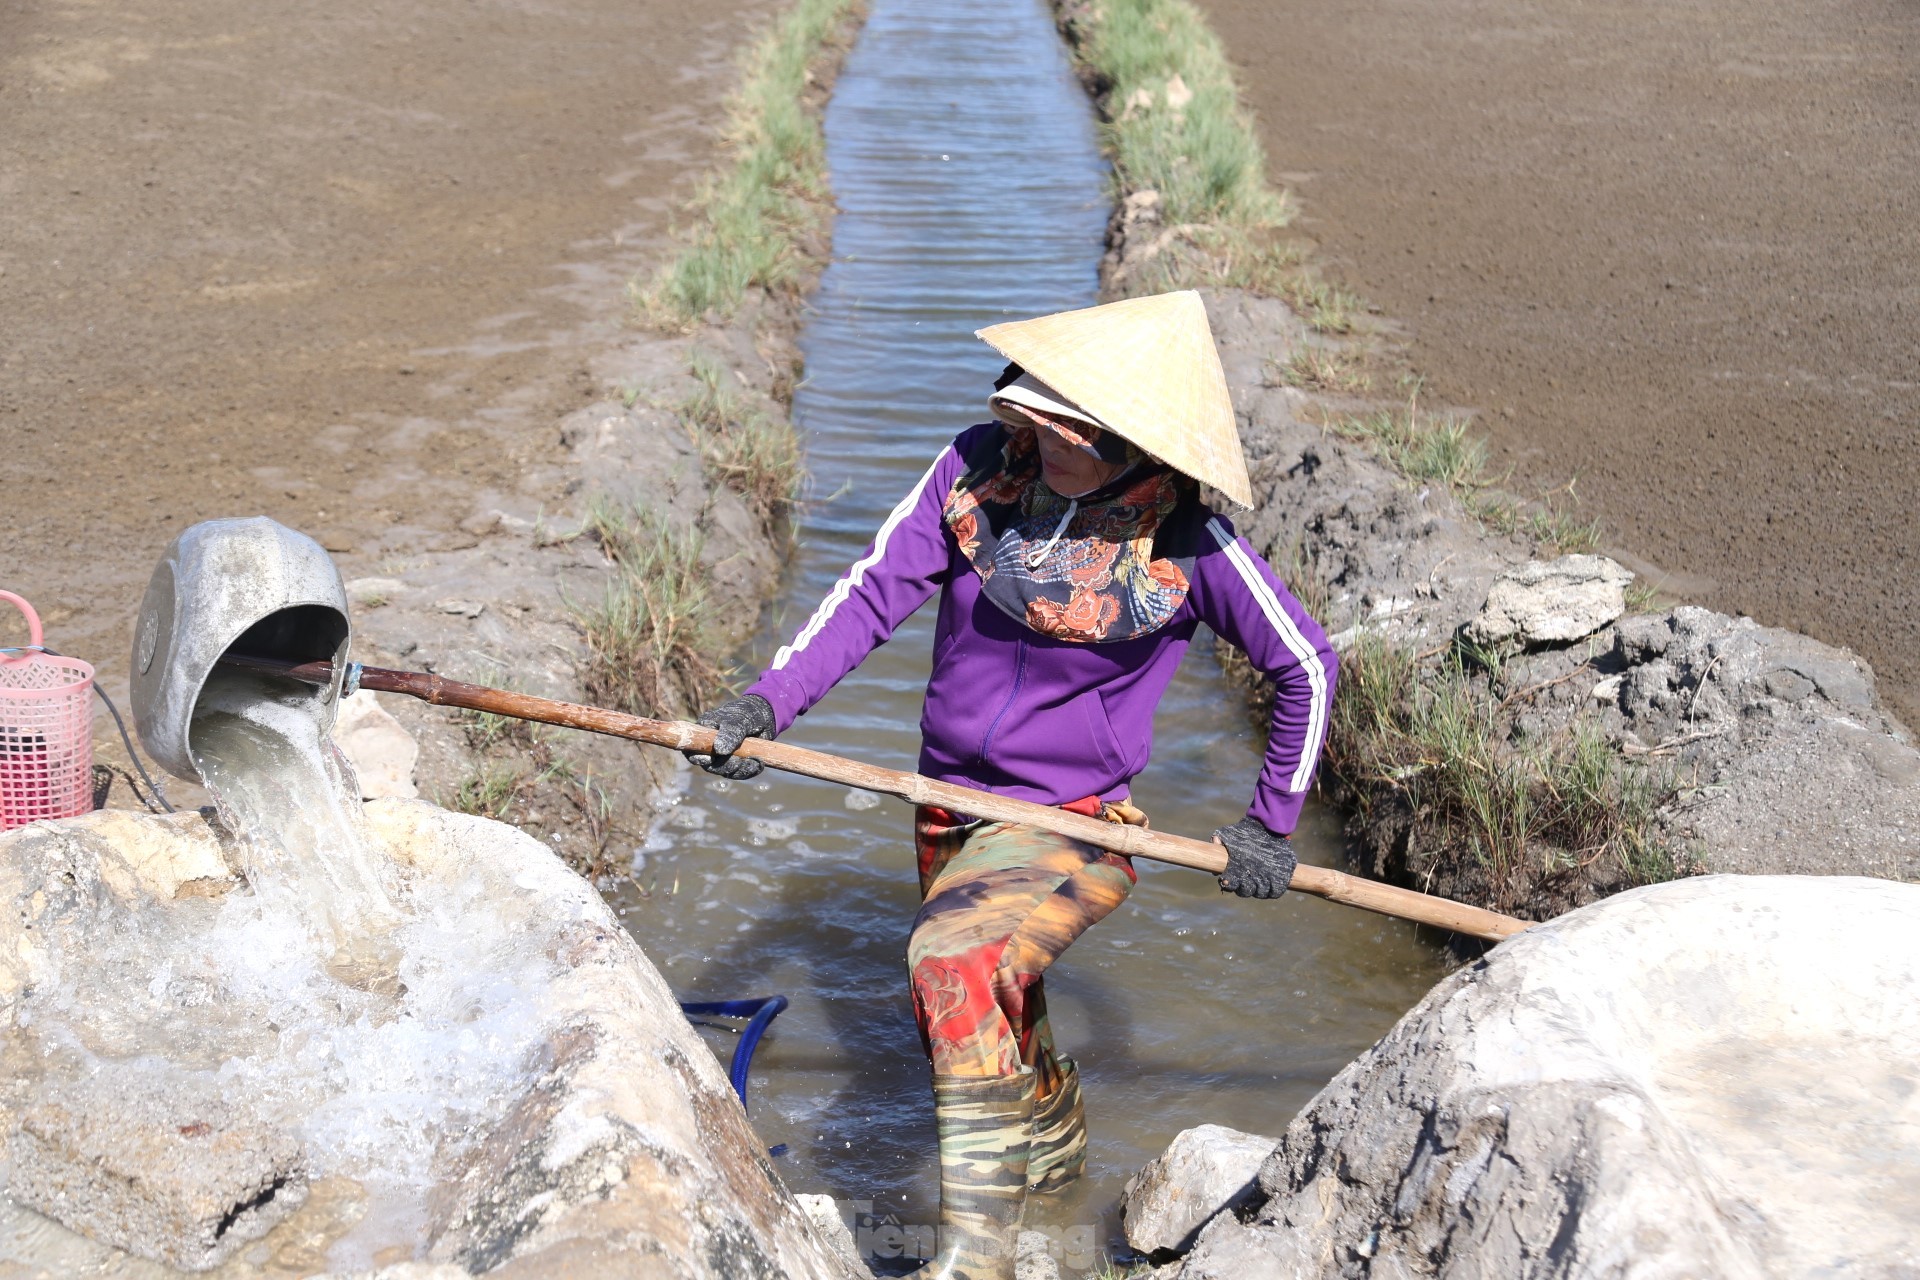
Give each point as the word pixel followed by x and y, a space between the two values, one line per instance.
pixel 1147 368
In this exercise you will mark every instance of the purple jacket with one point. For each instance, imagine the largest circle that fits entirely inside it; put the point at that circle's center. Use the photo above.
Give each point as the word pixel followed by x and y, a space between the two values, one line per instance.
pixel 1013 711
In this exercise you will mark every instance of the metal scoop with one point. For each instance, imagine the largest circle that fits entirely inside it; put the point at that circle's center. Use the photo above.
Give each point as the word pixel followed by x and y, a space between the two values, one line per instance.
pixel 242 587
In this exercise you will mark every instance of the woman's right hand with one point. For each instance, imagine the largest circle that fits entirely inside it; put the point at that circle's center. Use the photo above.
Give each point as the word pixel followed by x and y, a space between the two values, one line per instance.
pixel 733 722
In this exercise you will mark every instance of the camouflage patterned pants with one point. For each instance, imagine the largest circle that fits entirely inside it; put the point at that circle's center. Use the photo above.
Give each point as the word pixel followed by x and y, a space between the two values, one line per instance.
pixel 999 903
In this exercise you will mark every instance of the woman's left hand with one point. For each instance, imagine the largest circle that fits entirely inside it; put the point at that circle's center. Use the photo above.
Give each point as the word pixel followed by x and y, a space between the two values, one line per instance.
pixel 1260 863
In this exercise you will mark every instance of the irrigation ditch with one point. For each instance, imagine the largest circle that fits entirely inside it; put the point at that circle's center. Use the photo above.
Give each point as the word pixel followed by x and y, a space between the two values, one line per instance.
pixel 786 884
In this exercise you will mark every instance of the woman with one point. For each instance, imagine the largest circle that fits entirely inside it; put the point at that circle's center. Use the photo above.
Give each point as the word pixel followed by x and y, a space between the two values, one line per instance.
pixel 1074 559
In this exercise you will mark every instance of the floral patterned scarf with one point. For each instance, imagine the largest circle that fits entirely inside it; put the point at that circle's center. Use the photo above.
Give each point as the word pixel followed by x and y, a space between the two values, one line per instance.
pixel 1116 569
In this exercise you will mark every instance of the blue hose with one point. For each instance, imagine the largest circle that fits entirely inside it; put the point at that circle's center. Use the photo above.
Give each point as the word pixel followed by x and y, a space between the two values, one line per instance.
pixel 759 1014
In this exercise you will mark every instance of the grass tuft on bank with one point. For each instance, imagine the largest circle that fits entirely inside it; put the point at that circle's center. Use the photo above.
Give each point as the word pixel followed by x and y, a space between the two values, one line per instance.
pixel 747 222
pixel 1425 750
pixel 1446 794
pixel 747 449
pixel 1420 446
pixel 651 634
pixel 1442 450
pixel 1336 372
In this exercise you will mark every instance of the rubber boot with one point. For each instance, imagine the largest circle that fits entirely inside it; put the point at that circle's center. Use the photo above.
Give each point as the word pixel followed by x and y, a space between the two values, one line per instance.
pixel 1059 1150
pixel 986 1126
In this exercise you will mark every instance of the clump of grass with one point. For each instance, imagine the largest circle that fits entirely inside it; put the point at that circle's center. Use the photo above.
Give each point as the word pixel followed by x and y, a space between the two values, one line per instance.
pixel 1326 308
pixel 651 635
pixel 751 452
pixel 772 191
pixel 1322 369
pixel 485 730
pixel 536 777
pixel 1547 524
pixel 1424 448
pixel 760 460
pixel 488 791
pixel 1447 794
pixel 1480 808
pixel 595 808
pixel 1263 264
pixel 714 402
pixel 1443 450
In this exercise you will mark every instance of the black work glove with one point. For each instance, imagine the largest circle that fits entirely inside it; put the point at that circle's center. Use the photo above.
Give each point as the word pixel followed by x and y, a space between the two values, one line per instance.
pixel 1259 863
pixel 733 722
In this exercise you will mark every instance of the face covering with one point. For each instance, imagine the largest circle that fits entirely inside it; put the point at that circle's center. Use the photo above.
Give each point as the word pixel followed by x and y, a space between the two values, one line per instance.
pixel 1107 566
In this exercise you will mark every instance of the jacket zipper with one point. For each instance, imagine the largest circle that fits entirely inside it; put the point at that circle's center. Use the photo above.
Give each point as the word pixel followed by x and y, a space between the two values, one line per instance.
pixel 1019 678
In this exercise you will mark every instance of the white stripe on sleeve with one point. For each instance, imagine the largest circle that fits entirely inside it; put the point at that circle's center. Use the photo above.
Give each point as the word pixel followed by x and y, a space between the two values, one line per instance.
pixel 1296 645
pixel 856 575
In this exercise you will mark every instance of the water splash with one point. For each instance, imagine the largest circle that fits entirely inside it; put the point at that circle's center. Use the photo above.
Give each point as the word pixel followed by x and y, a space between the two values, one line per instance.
pixel 387 1024
pixel 292 798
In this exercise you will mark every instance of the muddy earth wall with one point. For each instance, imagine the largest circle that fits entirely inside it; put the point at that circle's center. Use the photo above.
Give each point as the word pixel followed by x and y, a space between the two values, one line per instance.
pixel 341 266
pixel 365 270
pixel 1672 250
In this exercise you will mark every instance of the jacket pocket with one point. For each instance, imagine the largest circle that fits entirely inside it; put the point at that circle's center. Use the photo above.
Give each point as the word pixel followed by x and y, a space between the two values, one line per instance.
pixel 1100 734
pixel 943 647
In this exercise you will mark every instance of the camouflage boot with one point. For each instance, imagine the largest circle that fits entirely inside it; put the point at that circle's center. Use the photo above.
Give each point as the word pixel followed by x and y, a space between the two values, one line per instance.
pixel 1059 1134
pixel 985 1125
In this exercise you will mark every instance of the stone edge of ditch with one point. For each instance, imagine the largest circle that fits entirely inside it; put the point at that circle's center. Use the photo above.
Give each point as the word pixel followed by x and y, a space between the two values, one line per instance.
pixel 494 603
pixel 1782 756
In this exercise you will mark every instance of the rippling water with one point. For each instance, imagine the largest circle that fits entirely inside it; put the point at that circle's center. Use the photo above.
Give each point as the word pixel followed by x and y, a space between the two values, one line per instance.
pixel 965 162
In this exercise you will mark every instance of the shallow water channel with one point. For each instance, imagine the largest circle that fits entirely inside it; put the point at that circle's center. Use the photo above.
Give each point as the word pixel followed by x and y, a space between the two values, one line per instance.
pixel 965 162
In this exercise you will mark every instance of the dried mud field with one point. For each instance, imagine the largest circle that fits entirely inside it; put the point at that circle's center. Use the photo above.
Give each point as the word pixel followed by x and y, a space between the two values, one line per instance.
pixel 1670 251
pixel 346 266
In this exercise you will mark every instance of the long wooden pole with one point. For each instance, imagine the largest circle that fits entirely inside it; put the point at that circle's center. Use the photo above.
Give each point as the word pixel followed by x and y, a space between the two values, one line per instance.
pixel 679 735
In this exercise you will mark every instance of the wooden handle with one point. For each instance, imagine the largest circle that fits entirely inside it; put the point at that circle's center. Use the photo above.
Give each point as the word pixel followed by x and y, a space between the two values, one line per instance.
pixel 1321 882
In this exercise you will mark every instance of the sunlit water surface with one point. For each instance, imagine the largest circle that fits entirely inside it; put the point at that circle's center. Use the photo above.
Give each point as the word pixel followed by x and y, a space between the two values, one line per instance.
pixel 965 163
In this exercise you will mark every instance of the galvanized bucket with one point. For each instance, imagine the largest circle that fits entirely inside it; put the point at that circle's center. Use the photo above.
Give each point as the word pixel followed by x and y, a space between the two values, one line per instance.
pixel 249 586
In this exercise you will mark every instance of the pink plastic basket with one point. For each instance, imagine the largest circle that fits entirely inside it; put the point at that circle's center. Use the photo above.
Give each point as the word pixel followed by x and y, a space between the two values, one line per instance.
pixel 46 732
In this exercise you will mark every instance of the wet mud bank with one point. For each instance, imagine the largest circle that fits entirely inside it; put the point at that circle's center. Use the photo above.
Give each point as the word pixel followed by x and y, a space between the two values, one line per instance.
pixel 388 303
pixel 678 481
pixel 1530 776
pixel 644 551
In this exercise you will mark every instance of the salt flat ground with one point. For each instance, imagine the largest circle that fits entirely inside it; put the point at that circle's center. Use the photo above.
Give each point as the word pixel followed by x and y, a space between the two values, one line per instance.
pixel 316 261
pixel 1670 247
